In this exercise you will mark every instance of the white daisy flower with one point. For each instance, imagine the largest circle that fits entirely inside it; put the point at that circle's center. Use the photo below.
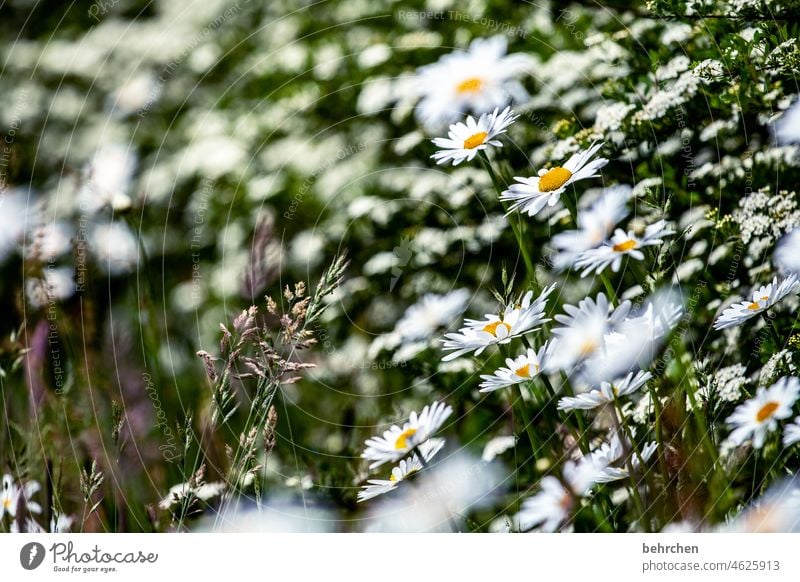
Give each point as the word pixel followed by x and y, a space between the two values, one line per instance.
pixel 608 392
pixel 465 140
pixel 760 415
pixel 532 194
pixel 609 458
pixel 476 80
pixel 583 329
pixel 404 469
pixel 513 321
pixel 791 434
pixel 621 244
pixel 634 342
pixel 422 319
pixel 552 506
pixel 11 493
pixel 594 225
pixel 762 299
pixel 523 368
pixel 787 127
pixel 398 441
pixel 497 446
pixel 787 253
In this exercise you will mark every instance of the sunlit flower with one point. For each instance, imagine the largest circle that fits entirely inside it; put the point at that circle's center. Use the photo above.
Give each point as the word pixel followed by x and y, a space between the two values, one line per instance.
pixel 108 178
pixel 115 247
pixel 404 469
pixel 465 140
pixel 476 80
pixel 791 433
pixel 583 329
pixel 523 368
pixel 608 392
pixel 530 195
pixel 621 244
pixel 760 415
pixel 513 321
pixel 422 319
pixel 594 225
pixel 398 441
pixel 762 299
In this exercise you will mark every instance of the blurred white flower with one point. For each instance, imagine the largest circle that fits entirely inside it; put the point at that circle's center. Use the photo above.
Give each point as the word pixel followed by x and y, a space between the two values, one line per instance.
pixel 18 214
pixel 513 321
pixel 57 284
pixel 50 241
pixel 583 329
pixel 430 313
pixel 611 462
pixel 760 415
pixel 762 299
pixel 107 179
pixel 777 511
pixel 523 368
pixel 115 246
pixel 11 494
pixel 397 442
pixel 404 469
pixel 608 392
pixel 465 140
pixel 791 434
pixel 203 491
pixel 497 446
pixel 530 195
pixel 787 253
pixel 476 80
pixel 787 127
pixel 621 244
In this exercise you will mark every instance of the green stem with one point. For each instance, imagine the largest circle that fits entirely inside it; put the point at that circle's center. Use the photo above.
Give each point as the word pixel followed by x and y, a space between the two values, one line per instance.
pixel 500 187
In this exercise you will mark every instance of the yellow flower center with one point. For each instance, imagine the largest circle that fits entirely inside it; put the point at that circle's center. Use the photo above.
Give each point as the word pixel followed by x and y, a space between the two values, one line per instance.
pixel 492 327
pixel 624 247
pixel 554 179
pixel 524 371
pixel 402 440
pixel 474 141
pixel 755 305
pixel 471 85
pixel 767 411
pixel 7 503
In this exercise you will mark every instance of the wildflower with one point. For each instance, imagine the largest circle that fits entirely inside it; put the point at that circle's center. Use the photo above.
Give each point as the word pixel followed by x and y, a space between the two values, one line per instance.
pixel 513 321
pixel 762 299
pixel 608 392
pixel 760 415
pixel 477 80
pixel 398 441
pixel 404 469
pixel 551 507
pixel 621 244
pixel 422 319
pixel 523 368
pixel 583 329
pixel 777 511
pixel 787 127
pixel 108 179
pixel 594 225
pixel 532 194
pixel 610 461
pixel 791 434
pixel 465 140
pixel 11 494
pixel 787 254
pixel 497 446
pixel 115 247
